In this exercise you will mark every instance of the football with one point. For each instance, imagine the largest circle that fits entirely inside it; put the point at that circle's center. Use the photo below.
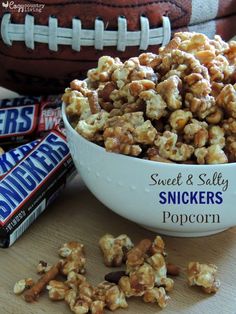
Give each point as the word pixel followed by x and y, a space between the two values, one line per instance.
pixel 46 44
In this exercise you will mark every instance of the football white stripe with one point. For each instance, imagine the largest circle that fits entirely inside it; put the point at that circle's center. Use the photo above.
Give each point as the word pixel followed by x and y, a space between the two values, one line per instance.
pixel 208 28
pixel 203 10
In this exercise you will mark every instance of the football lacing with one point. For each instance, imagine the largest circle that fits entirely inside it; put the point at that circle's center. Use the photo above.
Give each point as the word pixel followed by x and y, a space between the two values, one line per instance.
pixel 77 37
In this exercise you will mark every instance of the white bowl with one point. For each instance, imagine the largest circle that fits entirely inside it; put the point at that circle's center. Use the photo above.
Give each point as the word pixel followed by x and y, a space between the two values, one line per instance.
pixel 129 187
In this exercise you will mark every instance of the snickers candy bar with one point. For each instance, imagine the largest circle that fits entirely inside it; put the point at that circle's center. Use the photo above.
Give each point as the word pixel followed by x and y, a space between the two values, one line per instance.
pixel 49 115
pixel 9 159
pixel 18 124
pixel 32 184
pixel 20 101
pixel 22 123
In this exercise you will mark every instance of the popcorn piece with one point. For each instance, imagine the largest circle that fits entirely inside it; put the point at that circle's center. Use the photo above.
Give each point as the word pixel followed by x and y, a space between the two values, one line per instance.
pixel 80 307
pixel 80 299
pixel 74 262
pixel 77 104
pixel 74 255
pixel 130 71
pixel 80 86
pixel 114 249
pixel 201 107
pixel 205 56
pixel 216 136
pixel 149 59
pixel 125 286
pixel 90 127
pixel 230 53
pixel 156 106
pixel 169 89
pixel 74 280
pixel 216 155
pixel 196 133
pixel 145 133
pixel 138 281
pixel 219 69
pixel 143 73
pixel 156 295
pixel 97 307
pixel 230 148
pixel 23 284
pixel 118 134
pixel 106 66
pixel 136 87
pixel 141 279
pixel 1 151
pixel 70 298
pixel 170 149
pixel 111 295
pixel 211 155
pixel 179 118
pixel 158 264
pixel 215 117
pixel 198 85
pixel 118 140
pixel 216 88
pixel 115 298
pixel 227 100
pixel 158 246
pixel 120 75
pixel 229 126
pixel 56 290
pixel 201 154
pixel 69 247
pixel 201 137
pixel 85 292
pixel 203 275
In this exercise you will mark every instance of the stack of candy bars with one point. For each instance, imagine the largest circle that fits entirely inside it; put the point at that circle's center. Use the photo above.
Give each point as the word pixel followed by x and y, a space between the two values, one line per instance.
pixel 35 164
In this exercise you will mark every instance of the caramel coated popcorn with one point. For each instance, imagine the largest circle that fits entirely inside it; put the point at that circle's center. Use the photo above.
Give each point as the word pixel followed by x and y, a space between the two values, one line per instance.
pixel 186 89
pixel 23 284
pixel 114 249
pixel 145 275
pixel 146 272
pixel 203 275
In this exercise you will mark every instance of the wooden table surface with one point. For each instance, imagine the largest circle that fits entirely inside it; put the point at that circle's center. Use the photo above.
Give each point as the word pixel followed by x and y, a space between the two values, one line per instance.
pixel 78 215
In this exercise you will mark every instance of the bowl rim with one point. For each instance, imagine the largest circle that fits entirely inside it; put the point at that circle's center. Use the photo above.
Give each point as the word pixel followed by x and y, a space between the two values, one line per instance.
pixel 135 159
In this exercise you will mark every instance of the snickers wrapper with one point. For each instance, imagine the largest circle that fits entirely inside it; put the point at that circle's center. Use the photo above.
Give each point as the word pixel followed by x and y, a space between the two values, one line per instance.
pixel 21 101
pixel 32 184
pixel 24 119
pixel 9 159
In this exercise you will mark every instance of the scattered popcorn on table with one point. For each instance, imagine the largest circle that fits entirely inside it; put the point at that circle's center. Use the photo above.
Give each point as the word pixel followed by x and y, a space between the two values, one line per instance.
pixel 145 275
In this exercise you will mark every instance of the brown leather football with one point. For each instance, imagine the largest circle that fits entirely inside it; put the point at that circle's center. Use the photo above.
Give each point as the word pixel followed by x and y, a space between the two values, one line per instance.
pixel 46 44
